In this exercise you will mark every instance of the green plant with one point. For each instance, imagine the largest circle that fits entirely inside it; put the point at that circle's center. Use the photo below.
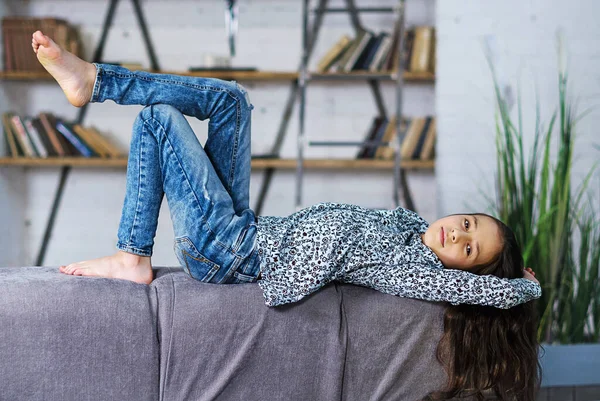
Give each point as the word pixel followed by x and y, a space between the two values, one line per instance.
pixel 579 318
pixel 535 199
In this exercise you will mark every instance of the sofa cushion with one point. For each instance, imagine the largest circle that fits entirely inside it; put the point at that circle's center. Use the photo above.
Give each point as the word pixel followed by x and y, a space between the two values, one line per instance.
pixel 75 338
pixel 391 346
pixel 343 342
pixel 222 342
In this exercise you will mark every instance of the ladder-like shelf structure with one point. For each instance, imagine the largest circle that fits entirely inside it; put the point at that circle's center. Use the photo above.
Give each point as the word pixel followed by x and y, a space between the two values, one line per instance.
pixel 272 160
pixel 311 24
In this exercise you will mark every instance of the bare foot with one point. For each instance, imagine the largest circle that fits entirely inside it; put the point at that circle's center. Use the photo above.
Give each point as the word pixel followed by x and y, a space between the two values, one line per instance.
pixel 121 265
pixel 75 76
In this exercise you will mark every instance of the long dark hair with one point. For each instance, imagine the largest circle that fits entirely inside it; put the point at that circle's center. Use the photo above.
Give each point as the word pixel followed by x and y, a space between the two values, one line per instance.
pixel 488 351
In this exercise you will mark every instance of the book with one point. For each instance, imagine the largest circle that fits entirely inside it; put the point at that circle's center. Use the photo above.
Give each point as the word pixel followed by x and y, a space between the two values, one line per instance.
pixel 392 61
pixel 338 66
pixel 65 129
pixel 39 127
pixel 52 134
pixel 421 57
pixel 411 138
pixel 22 137
pixel 382 51
pixel 388 61
pixel 7 50
pixel 35 137
pixel 17 31
pixel 386 140
pixel 333 54
pixel 90 140
pixel 409 40
pixel 13 146
pixel 429 145
pixel 382 127
pixel 358 51
pixel 365 59
pixel 419 147
pixel 388 153
pixel 112 150
pixel 17 55
pixel 369 138
pixel 67 146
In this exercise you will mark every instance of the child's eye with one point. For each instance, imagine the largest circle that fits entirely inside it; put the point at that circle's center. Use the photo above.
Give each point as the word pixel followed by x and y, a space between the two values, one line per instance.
pixel 468 250
pixel 467 224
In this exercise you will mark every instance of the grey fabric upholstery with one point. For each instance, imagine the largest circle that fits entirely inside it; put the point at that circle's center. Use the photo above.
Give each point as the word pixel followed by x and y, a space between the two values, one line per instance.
pixel 342 343
pixel 222 342
pixel 75 338
pixel 392 343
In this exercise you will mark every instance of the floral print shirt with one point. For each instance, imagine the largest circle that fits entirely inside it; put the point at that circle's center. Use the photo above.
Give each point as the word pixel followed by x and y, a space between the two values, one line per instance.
pixel 376 248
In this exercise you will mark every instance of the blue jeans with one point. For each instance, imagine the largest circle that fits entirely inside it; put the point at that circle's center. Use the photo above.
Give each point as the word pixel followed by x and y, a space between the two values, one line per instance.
pixel 207 189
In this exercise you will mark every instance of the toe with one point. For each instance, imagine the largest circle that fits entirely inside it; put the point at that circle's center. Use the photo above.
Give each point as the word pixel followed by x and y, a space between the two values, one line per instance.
pixel 41 38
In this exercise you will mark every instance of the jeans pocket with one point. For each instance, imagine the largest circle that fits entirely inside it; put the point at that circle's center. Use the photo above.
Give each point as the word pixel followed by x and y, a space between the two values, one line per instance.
pixel 193 262
pixel 247 272
pixel 240 278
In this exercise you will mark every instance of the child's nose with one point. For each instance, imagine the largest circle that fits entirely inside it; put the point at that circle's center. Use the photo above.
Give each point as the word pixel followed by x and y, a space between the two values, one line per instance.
pixel 457 235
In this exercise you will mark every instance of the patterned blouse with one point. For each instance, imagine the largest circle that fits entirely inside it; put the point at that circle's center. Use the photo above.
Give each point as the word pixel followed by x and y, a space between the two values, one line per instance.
pixel 380 249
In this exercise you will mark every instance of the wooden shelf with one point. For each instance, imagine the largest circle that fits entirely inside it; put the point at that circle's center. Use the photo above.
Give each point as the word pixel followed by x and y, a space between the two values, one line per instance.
pixel 248 75
pixel 63 161
pixel 288 164
pixel 366 75
pixel 342 164
pixel 238 75
pixel 24 75
pixel 233 75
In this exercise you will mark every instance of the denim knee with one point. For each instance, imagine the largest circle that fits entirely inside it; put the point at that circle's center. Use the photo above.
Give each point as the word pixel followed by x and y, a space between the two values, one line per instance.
pixel 159 112
pixel 240 93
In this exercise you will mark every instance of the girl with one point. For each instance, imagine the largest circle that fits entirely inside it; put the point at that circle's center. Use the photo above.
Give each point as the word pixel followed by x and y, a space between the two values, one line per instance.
pixel 461 259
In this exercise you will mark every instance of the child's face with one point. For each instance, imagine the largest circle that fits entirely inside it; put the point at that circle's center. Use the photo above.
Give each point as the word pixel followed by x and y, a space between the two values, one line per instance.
pixel 463 241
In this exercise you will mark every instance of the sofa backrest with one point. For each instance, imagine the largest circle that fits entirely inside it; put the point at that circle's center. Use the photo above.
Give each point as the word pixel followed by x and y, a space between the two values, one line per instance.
pixel 342 343
pixel 82 338
pixel 76 338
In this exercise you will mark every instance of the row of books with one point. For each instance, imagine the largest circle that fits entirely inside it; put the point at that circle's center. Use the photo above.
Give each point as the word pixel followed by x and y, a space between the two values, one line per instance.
pixel 16 34
pixel 46 135
pixel 373 52
pixel 418 142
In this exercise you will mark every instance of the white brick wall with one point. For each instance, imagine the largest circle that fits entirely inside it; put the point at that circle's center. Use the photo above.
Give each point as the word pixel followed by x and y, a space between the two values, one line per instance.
pixel 12 191
pixel 182 32
pixel 524 33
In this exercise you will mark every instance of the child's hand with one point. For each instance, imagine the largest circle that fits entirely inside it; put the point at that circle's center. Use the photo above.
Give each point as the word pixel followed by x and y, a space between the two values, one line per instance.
pixel 529 274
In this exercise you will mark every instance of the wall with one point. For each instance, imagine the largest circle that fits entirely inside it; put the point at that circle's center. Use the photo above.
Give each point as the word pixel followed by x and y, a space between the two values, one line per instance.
pixel 523 36
pixel 12 191
pixel 182 32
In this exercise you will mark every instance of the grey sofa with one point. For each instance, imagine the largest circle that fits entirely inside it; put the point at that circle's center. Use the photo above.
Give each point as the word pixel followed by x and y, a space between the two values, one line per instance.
pixel 76 338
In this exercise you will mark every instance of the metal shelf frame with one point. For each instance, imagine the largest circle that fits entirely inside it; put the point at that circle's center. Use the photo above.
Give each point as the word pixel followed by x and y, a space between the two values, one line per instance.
pixel 297 91
pixel 309 37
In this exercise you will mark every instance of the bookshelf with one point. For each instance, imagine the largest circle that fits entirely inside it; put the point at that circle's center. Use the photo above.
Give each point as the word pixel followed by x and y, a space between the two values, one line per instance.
pixel 312 21
pixel 259 163
pixel 297 81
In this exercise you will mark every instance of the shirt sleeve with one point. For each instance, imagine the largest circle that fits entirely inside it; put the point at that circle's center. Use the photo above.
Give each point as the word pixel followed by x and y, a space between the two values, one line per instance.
pixel 450 285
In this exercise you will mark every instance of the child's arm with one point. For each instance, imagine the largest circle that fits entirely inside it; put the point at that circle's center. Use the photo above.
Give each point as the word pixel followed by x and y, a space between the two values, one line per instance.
pixel 449 285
